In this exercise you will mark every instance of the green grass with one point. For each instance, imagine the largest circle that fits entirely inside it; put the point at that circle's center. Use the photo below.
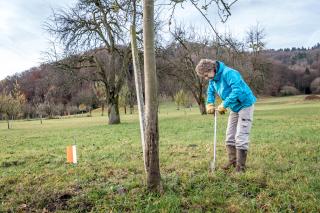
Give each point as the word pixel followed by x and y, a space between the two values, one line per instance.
pixel 282 176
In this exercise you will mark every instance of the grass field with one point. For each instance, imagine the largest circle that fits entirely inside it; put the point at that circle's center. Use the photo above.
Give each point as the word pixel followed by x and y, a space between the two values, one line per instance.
pixel 283 164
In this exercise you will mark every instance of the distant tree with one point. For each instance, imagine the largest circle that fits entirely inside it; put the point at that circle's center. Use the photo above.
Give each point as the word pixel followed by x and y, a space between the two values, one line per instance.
pixel 28 110
pixel 10 107
pixel 12 103
pixel 3 102
pixel 288 90
pixel 306 80
pixel 124 98
pixel 49 108
pixel 181 99
pixel 255 41
pixel 42 110
pixel 71 109
pixel 179 61
pixel 101 95
pixel 18 95
pixel 86 98
pixel 315 86
pixel 130 84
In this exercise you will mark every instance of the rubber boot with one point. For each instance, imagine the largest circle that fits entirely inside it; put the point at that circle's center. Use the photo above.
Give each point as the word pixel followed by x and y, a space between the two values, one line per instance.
pixel 231 150
pixel 241 160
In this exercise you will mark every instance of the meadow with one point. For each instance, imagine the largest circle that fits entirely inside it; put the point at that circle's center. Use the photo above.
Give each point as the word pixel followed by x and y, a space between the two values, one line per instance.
pixel 283 172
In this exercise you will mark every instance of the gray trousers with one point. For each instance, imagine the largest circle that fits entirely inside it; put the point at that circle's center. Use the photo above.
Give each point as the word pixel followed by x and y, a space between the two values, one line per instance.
pixel 239 126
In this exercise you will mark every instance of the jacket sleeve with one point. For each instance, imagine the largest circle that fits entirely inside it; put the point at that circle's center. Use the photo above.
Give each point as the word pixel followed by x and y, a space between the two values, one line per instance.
pixel 210 94
pixel 234 80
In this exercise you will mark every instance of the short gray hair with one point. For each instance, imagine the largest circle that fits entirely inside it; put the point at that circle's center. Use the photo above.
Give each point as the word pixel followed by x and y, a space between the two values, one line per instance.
pixel 205 66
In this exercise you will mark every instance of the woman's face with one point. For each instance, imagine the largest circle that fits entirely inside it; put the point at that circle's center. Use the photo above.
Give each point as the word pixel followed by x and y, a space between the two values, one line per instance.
pixel 209 75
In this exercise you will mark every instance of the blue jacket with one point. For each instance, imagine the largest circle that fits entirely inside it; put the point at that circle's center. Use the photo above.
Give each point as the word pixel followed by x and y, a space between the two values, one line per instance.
pixel 231 87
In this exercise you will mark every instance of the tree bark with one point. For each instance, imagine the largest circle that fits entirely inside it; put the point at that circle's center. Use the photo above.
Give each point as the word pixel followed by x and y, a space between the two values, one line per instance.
pixel 113 110
pixel 112 91
pixel 202 104
pixel 152 132
pixel 202 108
pixel 8 120
pixel 102 109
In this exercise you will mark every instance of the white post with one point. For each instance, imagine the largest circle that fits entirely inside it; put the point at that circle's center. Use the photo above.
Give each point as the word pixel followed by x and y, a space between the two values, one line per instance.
pixel 138 84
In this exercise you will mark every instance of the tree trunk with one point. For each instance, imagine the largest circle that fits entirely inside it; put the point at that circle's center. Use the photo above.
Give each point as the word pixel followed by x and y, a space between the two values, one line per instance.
pixel 131 108
pixel 113 111
pixel 12 118
pixel 8 120
pixel 111 88
pixel 102 109
pixel 202 107
pixel 200 101
pixel 152 133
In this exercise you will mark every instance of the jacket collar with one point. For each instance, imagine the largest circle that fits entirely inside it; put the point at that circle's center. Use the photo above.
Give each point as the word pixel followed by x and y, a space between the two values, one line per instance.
pixel 220 66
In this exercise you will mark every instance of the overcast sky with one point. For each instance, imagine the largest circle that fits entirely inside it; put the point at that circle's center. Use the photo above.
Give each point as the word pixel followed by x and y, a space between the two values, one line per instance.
pixel 287 23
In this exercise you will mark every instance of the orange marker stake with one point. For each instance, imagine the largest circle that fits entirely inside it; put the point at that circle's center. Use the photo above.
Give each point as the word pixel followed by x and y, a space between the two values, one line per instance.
pixel 72 154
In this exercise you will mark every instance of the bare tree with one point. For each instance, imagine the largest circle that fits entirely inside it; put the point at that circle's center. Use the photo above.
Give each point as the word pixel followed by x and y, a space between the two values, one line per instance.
pixel 255 41
pixel 179 60
pixel 95 24
pixel 10 106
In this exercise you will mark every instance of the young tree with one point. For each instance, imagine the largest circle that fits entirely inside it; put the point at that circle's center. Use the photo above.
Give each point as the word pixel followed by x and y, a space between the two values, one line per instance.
pixel 152 129
pixel 9 106
pixel 12 103
pixel 181 99
pixel 3 102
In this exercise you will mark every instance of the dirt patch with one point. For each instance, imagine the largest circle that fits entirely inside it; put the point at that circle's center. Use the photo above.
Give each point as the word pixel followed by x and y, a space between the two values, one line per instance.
pixel 6 164
pixel 312 97
pixel 59 203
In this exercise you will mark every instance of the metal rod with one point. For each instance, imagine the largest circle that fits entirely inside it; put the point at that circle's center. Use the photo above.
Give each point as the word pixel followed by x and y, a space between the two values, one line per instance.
pixel 213 163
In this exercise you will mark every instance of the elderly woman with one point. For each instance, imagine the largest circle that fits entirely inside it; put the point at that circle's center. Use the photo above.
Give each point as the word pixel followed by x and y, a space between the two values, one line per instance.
pixel 238 97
